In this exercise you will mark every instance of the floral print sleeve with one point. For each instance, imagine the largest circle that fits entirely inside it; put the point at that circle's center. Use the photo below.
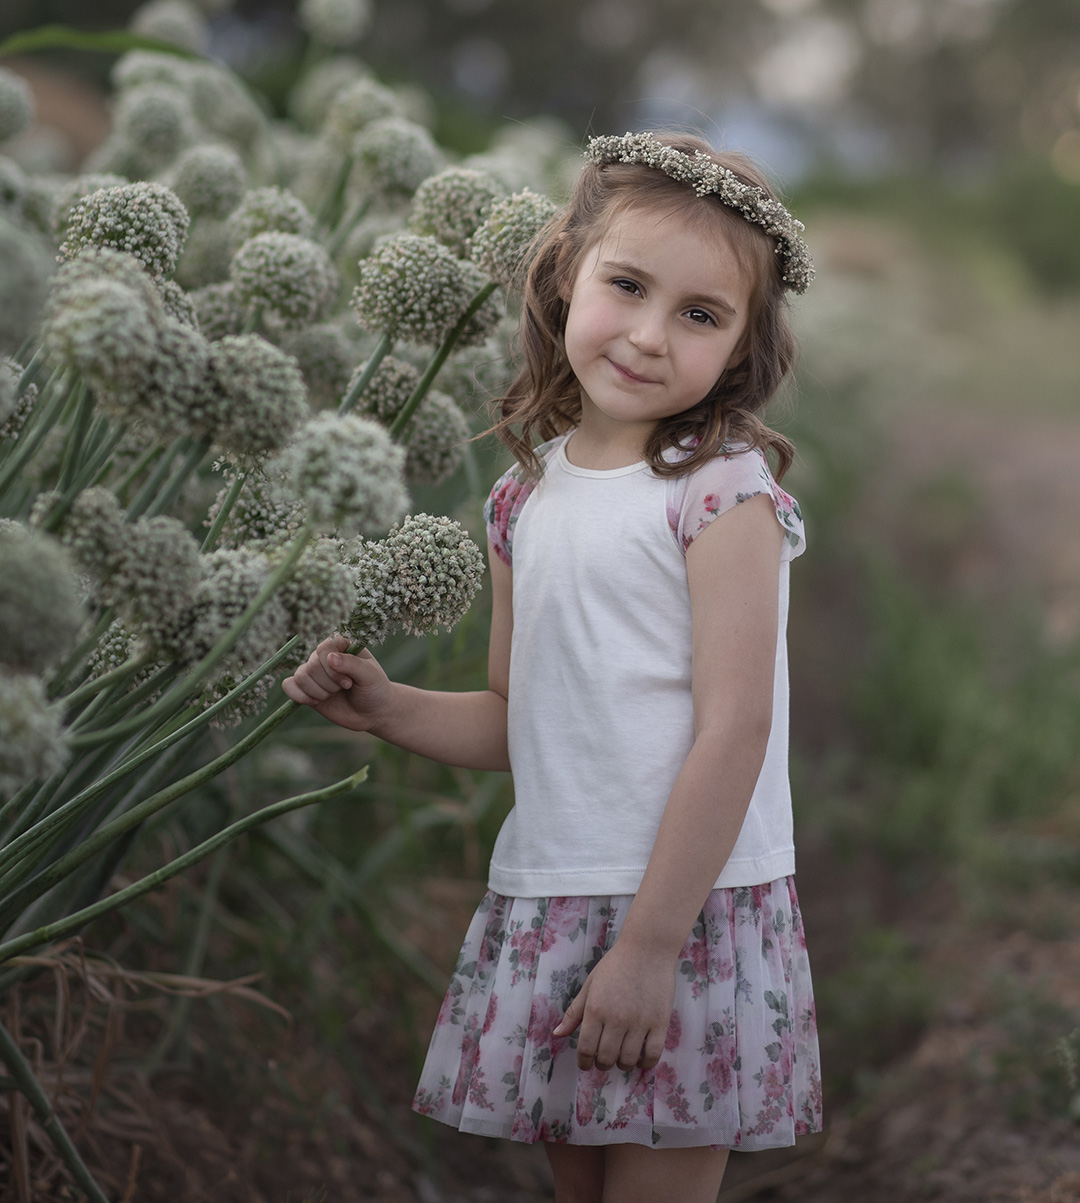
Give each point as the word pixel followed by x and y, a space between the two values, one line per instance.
pixel 505 502
pixel 734 476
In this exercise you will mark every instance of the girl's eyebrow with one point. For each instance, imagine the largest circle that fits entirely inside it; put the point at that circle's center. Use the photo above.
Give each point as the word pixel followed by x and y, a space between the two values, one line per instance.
pixel 632 269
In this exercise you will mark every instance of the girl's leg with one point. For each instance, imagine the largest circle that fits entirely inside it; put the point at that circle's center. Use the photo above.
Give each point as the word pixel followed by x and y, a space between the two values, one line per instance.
pixel 578 1171
pixel 637 1174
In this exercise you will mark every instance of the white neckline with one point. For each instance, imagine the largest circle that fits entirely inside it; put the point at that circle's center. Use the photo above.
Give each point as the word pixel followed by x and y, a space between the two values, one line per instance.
pixel 597 473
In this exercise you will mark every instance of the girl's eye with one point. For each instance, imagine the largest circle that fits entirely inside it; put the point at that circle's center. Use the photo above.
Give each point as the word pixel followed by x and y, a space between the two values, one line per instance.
pixel 701 317
pixel 626 286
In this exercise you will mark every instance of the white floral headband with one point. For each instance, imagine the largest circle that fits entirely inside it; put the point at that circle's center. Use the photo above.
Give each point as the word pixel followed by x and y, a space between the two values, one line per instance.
pixel 704 176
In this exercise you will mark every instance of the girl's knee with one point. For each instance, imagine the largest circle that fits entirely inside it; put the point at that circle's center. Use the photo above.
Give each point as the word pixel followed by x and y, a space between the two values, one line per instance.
pixel 578 1171
pixel 636 1174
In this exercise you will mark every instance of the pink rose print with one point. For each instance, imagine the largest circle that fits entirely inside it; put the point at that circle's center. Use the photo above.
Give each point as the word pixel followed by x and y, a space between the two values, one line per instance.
pixel 674 1032
pixel 543 1020
pixel 564 917
pixel 492 1008
pixel 720 1076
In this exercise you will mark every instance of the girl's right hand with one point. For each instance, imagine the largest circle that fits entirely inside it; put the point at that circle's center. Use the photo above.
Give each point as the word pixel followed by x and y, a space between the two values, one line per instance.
pixel 352 691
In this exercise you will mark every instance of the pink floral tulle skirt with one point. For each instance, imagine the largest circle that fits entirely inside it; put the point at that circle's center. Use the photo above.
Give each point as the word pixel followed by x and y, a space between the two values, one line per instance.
pixel 740 1067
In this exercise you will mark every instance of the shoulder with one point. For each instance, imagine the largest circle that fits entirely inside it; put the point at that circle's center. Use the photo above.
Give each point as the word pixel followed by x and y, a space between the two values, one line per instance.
pixel 506 499
pixel 735 475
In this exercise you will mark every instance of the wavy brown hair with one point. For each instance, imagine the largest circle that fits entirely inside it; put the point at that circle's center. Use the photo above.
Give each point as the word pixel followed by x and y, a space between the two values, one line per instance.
pixel 545 398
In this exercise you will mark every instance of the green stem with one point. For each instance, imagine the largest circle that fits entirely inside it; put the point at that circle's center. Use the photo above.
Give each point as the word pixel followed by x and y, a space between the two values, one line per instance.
pixel 346 226
pixel 136 469
pixel 31 1088
pixel 129 700
pixel 383 348
pixel 172 701
pixel 114 676
pixel 75 443
pixel 326 218
pixel 31 372
pixel 227 503
pixel 437 361
pixel 91 470
pixel 156 479
pixel 72 923
pixel 29 441
pixel 81 652
pixel 180 478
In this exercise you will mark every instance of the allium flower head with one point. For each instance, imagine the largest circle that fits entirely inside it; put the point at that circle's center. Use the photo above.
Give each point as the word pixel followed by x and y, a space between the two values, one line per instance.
pixel 16 104
pixel 97 263
pixel 146 220
pixel 388 390
pixel 372 618
pixel 320 594
pixel 178 305
pixel 437 570
pixel 14 410
pixel 173 21
pixel 223 105
pixel 139 67
pixel 347 472
pixel 230 580
pixel 415 288
pixel 501 245
pixel 156 121
pixel 326 355
pixel 209 179
pixel 435 440
pixel 24 280
pixel 73 191
pixel 259 395
pixel 265 512
pixel 357 106
pixel 176 396
pixel 32 740
pixel 39 610
pixel 265 209
pixel 218 311
pixel 310 99
pixel 206 254
pixel 287 274
pixel 94 531
pixel 393 157
pixel 335 23
pixel 449 206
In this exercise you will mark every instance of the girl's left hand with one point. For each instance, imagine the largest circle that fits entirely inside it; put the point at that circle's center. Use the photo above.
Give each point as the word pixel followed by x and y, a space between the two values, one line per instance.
pixel 624 1009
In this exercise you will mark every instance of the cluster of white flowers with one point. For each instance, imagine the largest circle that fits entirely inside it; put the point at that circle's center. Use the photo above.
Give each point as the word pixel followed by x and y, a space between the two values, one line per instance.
pixel 265 512
pixel 393 156
pixel 335 22
pixel 209 179
pixel 33 743
pixel 451 205
pixel 437 570
pixel 260 395
pixel 16 104
pixel 287 275
pixel 501 245
pixel 15 408
pixel 38 579
pixel 173 21
pixel 264 210
pixel 145 219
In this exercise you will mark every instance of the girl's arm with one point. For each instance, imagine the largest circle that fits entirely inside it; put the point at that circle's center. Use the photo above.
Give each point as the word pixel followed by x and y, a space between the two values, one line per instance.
pixel 732 567
pixel 465 729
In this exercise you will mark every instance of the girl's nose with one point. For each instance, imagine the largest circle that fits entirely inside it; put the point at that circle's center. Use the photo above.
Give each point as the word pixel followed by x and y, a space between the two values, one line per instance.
pixel 649 333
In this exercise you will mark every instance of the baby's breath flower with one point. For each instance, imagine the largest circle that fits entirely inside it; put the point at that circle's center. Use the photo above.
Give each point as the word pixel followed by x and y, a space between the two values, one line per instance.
pixel 231 579
pixel 372 619
pixel 393 384
pixel 147 220
pixel 310 99
pixel 449 206
pixel 437 570
pixel 326 356
pixel 259 395
pixel 206 255
pixel 266 209
pixel 347 472
pixel 320 594
pixel 32 739
pixel 139 67
pixel 16 104
pixel 217 310
pixel 178 304
pixel 14 409
pixel 335 23
pixel 356 106
pixel 501 245
pixel 73 191
pixel 414 288
pixel 265 512
pixel 286 274
pixel 436 439
pixel 39 611
pixel 209 179
pixel 172 21
pixel 156 121
pixel 393 156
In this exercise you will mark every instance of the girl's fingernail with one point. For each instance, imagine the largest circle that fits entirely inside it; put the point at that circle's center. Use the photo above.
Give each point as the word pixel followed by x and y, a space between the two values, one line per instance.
pixel 334 660
pixel 558 1030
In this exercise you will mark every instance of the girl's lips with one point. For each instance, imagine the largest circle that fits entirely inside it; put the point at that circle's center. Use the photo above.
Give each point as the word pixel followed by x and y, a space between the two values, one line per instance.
pixel 627 374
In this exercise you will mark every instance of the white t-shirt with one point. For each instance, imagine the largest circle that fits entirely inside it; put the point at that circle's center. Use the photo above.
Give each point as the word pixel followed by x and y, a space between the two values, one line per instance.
pixel 600 715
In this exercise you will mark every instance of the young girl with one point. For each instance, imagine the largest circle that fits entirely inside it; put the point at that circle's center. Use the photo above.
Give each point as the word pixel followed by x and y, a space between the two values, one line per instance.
pixel 634 989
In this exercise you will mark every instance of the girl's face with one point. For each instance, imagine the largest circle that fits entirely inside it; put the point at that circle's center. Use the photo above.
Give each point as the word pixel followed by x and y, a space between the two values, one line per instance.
pixel 656 313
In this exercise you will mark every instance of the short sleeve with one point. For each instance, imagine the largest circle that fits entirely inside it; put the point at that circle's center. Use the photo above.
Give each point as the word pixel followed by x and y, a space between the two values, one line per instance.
pixel 505 502
pixel 698 499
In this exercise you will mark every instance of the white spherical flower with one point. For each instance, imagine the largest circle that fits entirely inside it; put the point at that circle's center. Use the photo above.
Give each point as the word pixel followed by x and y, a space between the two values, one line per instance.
pixel 209 180
pixel 139 67
pixel 320 594
pixel 502 245
pixel 356 106
pixel 156 121
pixel 449 206
pixel 265 512
pixel 14 409
pixel 347 472
pixel 40 613
pixel 173 21
pixel 392 158
pixel 157 582
pixel 266 209
pixel 178 304
pixel 311 98
pixel 258 395
pixel 218 311
pixel 437 571
pixel 27 263
pixel 335 23
pixel 16 104
pixel 372 618
pixel 73 191
pixel 389 389
pixel 413 287
pixel 435 440
pixel 32 739
pixel 223 105
pixel 206 255
pixel 95 533
pixel 326 355
pixel 146 220
pixel 176 397
pixel 288 275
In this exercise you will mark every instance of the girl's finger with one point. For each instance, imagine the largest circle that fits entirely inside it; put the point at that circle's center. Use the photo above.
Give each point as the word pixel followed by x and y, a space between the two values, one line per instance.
pixel 573 1015
pixel 631 1053
pixel 654 1048
pixel 588 1042
pixel 608 1049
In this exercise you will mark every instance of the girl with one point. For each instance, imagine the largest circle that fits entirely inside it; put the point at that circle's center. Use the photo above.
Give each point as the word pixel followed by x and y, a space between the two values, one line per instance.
pixel 633 990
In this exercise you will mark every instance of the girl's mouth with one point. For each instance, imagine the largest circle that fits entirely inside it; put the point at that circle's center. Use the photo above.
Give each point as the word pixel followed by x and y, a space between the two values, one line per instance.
pixel 629 375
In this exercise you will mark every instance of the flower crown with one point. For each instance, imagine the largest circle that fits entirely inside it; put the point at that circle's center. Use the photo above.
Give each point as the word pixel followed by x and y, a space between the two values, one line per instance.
pixel 705 176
